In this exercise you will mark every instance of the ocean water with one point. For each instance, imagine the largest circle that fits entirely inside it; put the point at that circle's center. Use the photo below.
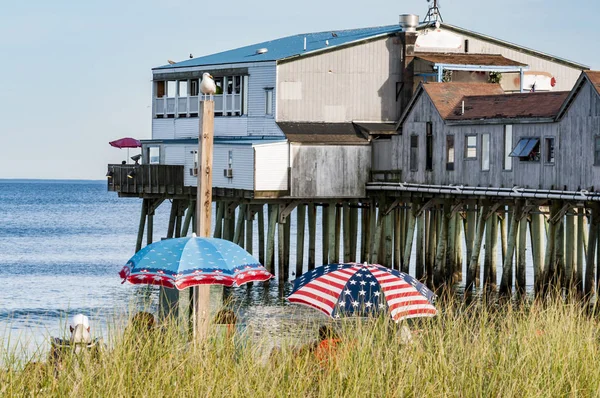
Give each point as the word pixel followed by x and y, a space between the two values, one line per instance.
pixel 62 244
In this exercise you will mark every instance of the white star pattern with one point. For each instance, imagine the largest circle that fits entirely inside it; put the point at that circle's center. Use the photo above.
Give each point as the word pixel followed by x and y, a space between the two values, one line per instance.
pixel 362 292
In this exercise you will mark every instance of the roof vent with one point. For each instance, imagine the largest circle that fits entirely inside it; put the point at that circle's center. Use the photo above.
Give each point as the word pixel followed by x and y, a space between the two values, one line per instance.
pixel 409 22
pixel 262 50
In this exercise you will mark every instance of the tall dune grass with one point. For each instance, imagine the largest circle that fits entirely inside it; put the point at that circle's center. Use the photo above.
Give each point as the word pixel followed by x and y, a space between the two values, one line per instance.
pixel 535 351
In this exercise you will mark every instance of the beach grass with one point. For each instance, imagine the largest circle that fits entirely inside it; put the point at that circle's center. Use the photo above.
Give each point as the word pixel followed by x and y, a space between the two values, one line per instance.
pixel 536 350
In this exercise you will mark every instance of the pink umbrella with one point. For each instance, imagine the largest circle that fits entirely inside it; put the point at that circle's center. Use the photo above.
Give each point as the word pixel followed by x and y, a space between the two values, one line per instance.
pixel 126 142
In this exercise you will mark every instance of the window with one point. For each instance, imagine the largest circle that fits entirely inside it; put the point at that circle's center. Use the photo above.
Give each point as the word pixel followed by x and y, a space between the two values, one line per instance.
pixel 154 155
pixel 450 152
pixel 507 147
pixel 597 151
pixel 549 150
pixel 471 147
pixel 183 88
pixel 160 89
pixel 171 88
pixel 194 87
pixel 269 101
pixel 429 148
pixel 527 150
pixel 485 151
pixel 414 152
pixel 230 158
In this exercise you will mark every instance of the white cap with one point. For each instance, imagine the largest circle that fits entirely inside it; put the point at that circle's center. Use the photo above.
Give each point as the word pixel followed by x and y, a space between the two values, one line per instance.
pixel 80 319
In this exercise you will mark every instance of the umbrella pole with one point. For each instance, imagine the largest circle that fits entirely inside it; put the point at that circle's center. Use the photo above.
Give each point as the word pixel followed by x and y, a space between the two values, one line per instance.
pixel 201 316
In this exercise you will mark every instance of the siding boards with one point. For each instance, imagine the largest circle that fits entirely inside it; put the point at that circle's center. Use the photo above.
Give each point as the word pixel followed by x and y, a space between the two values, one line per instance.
pixel 573 168
pixel 243 166
pixel 354 83
pixel 329 171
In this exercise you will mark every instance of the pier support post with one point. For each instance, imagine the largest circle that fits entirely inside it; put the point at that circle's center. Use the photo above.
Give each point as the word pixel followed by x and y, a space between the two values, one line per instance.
pixel 332 256
pixel 346 231
pixel 312 235
pixel 420 249
pixel 507 267
pixel 272 219
pixel 473 267
pixel 520 280
pixel 410 233
pixel 353 231
pixel 261 234
pixel 301 218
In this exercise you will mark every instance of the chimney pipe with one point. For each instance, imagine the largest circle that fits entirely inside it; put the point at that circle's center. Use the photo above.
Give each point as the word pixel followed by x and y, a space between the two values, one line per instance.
pixel 462 111
pixel 408 38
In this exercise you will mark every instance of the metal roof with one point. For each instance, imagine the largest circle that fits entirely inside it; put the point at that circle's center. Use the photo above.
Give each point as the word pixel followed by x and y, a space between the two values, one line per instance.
pixel 468 59
pixel 287 47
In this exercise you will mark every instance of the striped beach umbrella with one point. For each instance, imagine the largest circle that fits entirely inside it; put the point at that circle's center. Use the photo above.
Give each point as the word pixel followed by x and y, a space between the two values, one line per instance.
pixel 190 261
pixel 363 290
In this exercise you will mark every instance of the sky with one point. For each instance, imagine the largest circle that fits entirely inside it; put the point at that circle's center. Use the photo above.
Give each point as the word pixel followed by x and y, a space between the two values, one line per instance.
pixel 77 74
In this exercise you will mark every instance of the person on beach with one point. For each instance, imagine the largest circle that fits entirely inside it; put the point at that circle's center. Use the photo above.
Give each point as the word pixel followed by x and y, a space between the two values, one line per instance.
pixel 328 343
pixel 80 342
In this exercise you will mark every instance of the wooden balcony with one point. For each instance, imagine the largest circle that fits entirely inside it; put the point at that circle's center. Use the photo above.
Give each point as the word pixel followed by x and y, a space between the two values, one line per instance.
pixel 147 180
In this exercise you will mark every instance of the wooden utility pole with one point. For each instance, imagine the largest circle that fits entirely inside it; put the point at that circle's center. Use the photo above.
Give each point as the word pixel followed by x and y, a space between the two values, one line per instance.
pixel 204 203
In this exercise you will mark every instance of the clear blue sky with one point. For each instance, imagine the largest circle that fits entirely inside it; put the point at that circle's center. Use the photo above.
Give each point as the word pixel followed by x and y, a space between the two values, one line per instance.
pixel 76 74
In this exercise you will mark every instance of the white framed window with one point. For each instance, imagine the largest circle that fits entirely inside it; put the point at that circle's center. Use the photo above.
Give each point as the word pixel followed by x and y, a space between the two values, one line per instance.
pixel 269 101
pixel 508 142
pixel 485 151
pixel 471 147
pixel 154 155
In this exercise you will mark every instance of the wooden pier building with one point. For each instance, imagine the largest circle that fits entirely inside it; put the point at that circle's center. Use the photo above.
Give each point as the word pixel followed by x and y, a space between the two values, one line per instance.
pixel 317 121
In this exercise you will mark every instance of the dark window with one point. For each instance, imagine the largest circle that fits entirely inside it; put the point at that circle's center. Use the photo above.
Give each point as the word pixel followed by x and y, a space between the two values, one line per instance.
pixel 527 150
pixel 597 151
pixel 429 148
pixel 414 152
pixel 160 89
pixel 193 87
pixel 471 147
pixel 549 150
pixel 466 45
pixel 450 152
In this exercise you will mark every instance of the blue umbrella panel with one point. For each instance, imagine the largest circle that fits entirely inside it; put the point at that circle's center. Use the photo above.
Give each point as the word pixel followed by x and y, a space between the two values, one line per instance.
pixel 190 261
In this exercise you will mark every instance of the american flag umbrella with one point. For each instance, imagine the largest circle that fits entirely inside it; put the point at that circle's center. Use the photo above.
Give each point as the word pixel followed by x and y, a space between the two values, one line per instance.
pixel 363 290
pixel 190 261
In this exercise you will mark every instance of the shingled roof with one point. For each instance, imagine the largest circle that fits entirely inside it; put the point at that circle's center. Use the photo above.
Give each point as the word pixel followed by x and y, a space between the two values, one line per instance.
pixel 468 59
pixel 594 77
pixel 447 96
pixel 509 106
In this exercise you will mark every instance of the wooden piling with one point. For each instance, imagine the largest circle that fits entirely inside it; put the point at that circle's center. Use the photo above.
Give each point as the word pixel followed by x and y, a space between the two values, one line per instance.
pixel 189 213
pixel 410 232
pixel 473 267
pixel 249 230
pixel 431 246
pixel 272 225
pixel 286 248
pixel 172 216
pixel 398 244
pixel 353 231
pixel 388 243
pixel 520 279
pixel 312 235
pixel 578 283
pixel 590 265
pixel 570 254
pixel 537 249
pixel 450 250
pixel 281 265
pixel 141 227
pixel 219 220
pixel 420 249
pixel 300 222
pixel 325 233
pixel 507 266
pixel 261 234
pixel 439 271
pixel 332 256
pixel 346 230
pixel 338 234
pixel 238 236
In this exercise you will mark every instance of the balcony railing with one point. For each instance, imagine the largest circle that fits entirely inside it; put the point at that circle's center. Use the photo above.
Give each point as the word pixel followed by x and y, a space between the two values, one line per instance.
pixel 225 104
pixel 145 179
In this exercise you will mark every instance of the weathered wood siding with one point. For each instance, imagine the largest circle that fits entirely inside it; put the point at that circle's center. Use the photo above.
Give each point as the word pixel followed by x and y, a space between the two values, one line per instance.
pixel 382 154
pixel 329 171
pixel 565 75
pixel 354 83
pixel 573 168
pixel 578 127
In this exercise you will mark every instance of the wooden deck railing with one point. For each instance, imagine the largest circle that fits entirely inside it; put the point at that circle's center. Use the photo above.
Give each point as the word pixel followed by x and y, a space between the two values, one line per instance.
pixel 145 179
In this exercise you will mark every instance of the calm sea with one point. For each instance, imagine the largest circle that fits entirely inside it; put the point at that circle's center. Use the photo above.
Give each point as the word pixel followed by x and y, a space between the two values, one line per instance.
pixel 62 244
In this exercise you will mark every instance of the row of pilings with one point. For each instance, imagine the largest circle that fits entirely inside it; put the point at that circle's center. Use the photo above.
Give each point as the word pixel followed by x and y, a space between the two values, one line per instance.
pixel 529 246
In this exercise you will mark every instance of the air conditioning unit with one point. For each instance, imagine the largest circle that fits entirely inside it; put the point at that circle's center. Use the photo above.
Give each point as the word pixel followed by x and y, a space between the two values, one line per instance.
pixel 228 173
pixel 194 171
